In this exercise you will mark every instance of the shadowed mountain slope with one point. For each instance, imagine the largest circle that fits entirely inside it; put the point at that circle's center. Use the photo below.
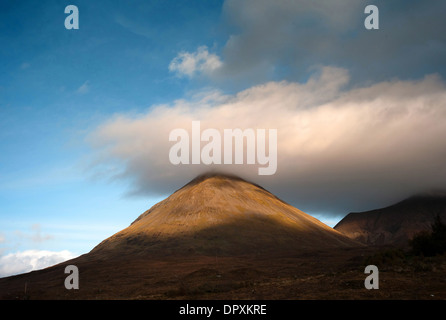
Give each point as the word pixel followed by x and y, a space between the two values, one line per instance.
pixel 396 224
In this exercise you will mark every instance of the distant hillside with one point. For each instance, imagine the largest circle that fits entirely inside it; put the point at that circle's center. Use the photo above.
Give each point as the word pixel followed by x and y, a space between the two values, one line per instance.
pixel 396 224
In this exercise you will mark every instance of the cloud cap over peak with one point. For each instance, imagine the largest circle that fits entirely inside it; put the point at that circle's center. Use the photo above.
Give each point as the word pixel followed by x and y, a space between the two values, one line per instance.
pixel 339 150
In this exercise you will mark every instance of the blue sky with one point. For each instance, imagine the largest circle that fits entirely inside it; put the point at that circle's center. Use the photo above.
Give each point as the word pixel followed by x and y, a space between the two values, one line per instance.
pixel 58 86
pixel 55 85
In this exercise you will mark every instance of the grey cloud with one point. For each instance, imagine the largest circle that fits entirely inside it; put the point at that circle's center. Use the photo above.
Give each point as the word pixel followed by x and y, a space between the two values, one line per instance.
pixel 284 38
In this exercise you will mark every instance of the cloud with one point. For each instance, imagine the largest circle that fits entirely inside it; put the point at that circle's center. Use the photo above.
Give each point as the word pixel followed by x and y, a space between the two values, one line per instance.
pixel 84 88
pixel 339 149
pixel 35 236
pixel 192 63
pixel 29 260
pixel 285 38
pixel 38 237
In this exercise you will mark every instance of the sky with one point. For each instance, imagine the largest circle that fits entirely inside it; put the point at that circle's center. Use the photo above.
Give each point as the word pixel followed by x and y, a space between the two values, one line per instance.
pixel 85 114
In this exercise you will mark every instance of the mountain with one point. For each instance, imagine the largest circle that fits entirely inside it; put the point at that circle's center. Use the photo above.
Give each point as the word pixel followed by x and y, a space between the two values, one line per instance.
pixel 218 214
pixel 396 224
pixel 218 236
pixel 221 237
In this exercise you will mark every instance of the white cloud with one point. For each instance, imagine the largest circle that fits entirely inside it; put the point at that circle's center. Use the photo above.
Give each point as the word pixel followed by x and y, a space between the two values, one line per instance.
pixel 84 88
pixel 192 63
pixel 29 260
pixel 338 150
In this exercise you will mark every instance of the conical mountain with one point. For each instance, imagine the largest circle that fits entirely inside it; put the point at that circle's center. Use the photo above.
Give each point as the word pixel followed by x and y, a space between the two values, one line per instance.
pixel 225 215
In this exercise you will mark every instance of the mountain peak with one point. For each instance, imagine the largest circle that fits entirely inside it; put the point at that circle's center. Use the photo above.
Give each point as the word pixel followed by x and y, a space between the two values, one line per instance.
pixel 217 178
pixel 215 175
pixel 221 213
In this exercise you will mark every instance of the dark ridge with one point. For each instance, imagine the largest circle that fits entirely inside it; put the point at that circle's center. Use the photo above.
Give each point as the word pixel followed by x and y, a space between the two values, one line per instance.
pixel 397 223
pixel 208 175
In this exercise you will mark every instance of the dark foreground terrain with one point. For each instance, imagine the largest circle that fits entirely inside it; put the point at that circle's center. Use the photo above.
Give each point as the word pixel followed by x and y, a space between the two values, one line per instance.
pixel 314 275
